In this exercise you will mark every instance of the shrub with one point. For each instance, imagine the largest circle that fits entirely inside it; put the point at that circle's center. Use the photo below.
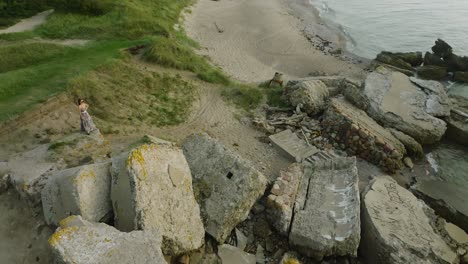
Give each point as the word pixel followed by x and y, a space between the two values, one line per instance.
pixel 90 7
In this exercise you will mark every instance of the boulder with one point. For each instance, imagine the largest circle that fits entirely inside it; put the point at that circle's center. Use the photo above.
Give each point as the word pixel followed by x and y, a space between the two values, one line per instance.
pixel 461 76
pixel 447 199
pixel 4 183
pixel 442 48
pixel 327 208
pixel 413 148
pixel 81 191
pixel 354 94
pixel 398 103
pixel 29 172
pixel 394 60
pixel 456 63
pixel 336 84
pixel 437 103
pixel 432 72
pixel 227 185
pixel 280 202
pixel 458 126
pixel 152 190
pixel 413 58
pixel 310 95
pixel 80 149
pixel 352 130
pixel 432 59
pixel 233 255
pixel 78 241
pixel 397 227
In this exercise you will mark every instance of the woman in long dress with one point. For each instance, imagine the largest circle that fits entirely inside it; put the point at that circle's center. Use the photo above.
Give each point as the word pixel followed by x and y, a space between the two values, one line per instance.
pixel 87 124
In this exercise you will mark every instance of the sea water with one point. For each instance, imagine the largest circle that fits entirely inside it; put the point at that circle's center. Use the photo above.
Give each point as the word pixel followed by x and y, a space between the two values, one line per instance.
pixel 371 26
pixel 398 25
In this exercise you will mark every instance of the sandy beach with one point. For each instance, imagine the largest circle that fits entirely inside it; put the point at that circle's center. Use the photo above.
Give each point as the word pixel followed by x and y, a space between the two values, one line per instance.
pixel 250 40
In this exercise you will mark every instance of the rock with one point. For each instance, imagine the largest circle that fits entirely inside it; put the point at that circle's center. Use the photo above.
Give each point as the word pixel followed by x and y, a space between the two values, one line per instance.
pixel 432 59
pixel 456 63
pixel 397 227
pixel 413 148
pixel 4 183
pixel 81 191
pixel 29 172
pixel 80 149
pixel 311 94
pixel 432 72
pixel 447 199
pixel 438 103
pixel 458 127
pixel 461 76
pixel 354 94
pixel 280 205
pixel 441 48
pixel 78 241
pixel 290 144
pixel 260 255
pixel 289 258
pixel 394 60
pixel 227 185
pixel 241 239
pixel 152 190
pixel 341 118
pixel 326 213
pixel 456 234
pixel 408 162
pixel 233 255
pixel 413 58
pixel 398 103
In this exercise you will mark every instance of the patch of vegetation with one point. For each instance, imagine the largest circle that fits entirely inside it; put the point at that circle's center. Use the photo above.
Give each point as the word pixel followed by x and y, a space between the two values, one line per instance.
pixel 60 144
pixel 26 54
pixel 21 88
pixel 243 96
pixel 12 10
pixel 122 93
pixel 274 97
pixel 174 53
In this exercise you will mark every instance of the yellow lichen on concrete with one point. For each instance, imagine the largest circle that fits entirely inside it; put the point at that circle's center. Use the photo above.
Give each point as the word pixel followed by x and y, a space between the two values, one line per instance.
pixel 84 176
pixel 60 234
pixel 291 261
pixel 136 157
pixel 64 223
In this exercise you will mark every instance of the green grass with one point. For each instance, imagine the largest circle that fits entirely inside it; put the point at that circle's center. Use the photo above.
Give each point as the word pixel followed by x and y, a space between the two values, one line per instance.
pixel 121 93
pixel 21 55
pixel 176 53
pixel 31 72
pixel 274 97
pixel 243 96
pixel 22 88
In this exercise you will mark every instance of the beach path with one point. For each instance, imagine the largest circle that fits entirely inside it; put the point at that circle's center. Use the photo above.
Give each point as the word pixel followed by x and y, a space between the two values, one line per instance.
pixel 28 23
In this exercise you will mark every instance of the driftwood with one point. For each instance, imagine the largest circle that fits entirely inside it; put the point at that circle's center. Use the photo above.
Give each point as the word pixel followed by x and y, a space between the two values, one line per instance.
pixel 220 30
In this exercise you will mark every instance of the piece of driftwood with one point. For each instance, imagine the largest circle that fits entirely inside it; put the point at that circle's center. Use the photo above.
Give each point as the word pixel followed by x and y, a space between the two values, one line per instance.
pixel 220 30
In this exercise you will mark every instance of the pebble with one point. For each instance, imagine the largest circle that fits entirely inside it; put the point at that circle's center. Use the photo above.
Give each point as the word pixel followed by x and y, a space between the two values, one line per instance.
pixel 363 133
pixel 408 162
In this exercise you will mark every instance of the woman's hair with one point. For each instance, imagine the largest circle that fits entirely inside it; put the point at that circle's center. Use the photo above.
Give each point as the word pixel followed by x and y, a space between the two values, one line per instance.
pixel 79 100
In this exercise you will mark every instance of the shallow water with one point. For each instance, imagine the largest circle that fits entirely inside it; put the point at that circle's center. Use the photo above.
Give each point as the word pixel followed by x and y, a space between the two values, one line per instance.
pixel 398 25
pixel 451 163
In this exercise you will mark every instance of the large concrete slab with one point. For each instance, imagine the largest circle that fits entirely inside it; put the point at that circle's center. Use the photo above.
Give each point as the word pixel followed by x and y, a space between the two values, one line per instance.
pixel 293 146
pixel 398 228
pixel 449 200
pixel 352 130
pixel 327 210
pixel 227 185
pixel 152 190
pixel 78 241
pixel 81 191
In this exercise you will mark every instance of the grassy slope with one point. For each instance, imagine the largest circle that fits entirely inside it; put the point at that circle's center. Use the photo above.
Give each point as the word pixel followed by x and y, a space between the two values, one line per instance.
pixel 32 72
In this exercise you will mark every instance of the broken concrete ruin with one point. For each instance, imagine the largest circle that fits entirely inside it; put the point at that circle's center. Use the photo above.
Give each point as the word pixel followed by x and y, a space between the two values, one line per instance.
pixel 355 132
pixel 81 191
pixel 78 241
pixel 397 227
pixel 282 196
pixel 152 190
pixel 308 95
pixel 228 185
pixel 447 199
pixel 326 218
pixel 292 146
pixel 397 102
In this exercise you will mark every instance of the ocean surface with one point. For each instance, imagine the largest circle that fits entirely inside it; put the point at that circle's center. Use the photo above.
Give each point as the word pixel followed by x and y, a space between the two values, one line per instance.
pixel 398 25
pixel 371 26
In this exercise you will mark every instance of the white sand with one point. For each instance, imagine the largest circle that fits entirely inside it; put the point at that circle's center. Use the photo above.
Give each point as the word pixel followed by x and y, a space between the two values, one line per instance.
pixel 28 23
pixel 259 38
